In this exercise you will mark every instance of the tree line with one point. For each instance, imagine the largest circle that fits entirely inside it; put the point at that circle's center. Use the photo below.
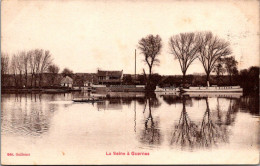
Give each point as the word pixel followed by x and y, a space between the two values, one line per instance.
pixel 27 68
pixel 208 48
pixel 35 62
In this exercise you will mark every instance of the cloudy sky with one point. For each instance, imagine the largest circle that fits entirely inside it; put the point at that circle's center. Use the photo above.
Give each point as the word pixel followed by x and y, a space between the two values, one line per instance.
pixel 86 35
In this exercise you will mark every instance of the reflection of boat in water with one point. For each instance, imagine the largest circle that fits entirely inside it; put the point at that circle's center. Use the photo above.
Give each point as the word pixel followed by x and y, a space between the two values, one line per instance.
pixel 119 94
pixel 215 94
pixel 214 89
pixel 112 104
pixel 115 100
pixel 167 93
pixel 166 89
pixel 88 99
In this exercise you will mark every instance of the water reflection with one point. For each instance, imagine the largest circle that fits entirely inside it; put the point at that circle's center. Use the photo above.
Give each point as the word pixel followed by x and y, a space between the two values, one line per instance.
pixel 172 99
pixel 151 132
pixel 185 131
pixel 36 121
pixel 115 101
pixel 210 131
pixel 232 110
pixel 26 115
pixel 250 103
pixel 151 120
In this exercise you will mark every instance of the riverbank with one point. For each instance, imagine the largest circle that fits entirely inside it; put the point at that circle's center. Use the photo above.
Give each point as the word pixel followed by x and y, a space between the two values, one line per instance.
pixel 37 90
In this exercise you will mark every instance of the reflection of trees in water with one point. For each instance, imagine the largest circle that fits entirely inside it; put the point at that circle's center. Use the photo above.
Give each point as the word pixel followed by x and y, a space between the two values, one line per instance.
pixel 29 116
pixel 212 130
pixel 37 122
pixel 185 131
pixel 232 110
pixel 127 100
pixel 172 99
pixel 151 133
pixel 141 100
pixel 211 133
pixel 250 104
pixel 116 102
pixel 36 97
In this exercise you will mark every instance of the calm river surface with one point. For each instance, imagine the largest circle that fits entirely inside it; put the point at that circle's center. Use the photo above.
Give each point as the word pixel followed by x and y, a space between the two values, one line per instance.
pixel 213 128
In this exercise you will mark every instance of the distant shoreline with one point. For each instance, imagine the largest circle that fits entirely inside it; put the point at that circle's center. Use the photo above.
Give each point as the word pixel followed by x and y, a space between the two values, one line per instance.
pixel 34 90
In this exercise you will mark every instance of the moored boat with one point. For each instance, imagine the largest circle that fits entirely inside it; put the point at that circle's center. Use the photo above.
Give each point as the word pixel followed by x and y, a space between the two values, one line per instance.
pixel 215 94
pixel 214 89
pixel 166 89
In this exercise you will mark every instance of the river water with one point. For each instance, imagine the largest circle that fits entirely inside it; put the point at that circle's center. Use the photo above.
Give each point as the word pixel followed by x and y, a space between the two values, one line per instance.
pixel 154 129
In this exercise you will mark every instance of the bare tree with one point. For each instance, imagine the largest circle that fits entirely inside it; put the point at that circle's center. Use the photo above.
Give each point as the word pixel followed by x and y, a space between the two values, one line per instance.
pixel 32 65
pixel 210 50
pixel 25 63
pixel 4 67
pixel 34 61
pixel 45 63
pixel 19 63
pixel 37 60
pixel 184 47
pixel 231 67
pixel 53 70
pixel 22 67
pixel 14 68
pixel 39 63
pixel 150 47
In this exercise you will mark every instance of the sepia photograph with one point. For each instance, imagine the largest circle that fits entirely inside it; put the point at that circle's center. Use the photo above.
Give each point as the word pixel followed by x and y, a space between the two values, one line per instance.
pixel 127 82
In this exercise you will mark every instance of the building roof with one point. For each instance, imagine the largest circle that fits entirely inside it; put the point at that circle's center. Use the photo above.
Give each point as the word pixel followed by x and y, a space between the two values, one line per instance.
pixel 110 73
pixel 66 80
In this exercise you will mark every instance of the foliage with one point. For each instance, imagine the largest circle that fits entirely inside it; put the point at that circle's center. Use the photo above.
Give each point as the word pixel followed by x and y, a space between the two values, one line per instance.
pixel 53 70
pixel 219 69
pixel 67 72
pixel 231 66
pixel 127 79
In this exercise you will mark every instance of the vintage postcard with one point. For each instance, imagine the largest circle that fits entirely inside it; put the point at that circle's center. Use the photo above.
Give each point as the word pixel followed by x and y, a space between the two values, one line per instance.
pixel 129 82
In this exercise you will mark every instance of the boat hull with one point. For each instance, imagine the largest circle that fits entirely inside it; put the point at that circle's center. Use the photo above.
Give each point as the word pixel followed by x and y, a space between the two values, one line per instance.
pixel 214 89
